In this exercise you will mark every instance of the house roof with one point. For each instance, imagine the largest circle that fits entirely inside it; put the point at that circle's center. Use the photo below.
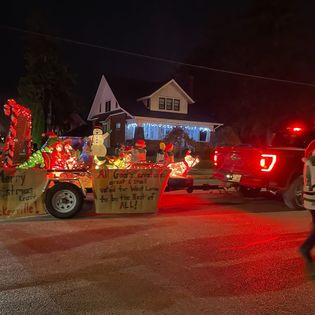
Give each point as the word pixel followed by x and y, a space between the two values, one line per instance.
pixel 81 131
pixel 104 116
pixel 127 91
pixel 190 100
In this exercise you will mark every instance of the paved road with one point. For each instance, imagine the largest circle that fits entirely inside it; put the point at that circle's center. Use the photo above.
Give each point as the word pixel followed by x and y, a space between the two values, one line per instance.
pixel 202 253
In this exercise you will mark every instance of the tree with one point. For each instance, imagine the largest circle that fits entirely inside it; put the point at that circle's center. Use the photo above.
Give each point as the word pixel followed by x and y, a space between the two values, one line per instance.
pixel 181 141
pixel 47 88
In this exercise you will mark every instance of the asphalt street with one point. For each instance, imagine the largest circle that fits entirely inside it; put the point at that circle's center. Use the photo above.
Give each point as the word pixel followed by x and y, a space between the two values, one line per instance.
pixel 202 253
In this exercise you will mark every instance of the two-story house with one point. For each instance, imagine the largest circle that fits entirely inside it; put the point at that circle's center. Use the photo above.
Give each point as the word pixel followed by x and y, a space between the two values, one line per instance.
pixel 133 110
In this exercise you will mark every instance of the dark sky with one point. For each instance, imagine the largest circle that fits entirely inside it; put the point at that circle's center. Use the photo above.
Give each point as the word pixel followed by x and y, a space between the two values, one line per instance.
pixel 174 30
pixel 166 29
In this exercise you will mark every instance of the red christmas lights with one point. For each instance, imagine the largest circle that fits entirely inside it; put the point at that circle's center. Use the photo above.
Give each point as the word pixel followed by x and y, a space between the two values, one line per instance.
pixel 18 115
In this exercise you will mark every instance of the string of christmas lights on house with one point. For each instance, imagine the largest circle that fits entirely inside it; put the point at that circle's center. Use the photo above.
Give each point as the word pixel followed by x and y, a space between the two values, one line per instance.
pixel 154 131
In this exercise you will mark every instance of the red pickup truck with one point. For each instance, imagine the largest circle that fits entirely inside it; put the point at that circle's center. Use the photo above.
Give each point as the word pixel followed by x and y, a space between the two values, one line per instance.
pixel 277 168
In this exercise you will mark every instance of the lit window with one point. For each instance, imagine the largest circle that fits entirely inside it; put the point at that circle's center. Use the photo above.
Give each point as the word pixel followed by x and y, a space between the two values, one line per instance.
pixel 169 104
pixel 176 104
pixel 161 103
pixel 118 125
pixel 107 106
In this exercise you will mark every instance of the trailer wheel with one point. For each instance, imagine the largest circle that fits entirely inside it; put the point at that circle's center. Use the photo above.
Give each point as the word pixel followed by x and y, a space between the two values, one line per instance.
pixel 293 196
pixel 63 200
pixel 190 189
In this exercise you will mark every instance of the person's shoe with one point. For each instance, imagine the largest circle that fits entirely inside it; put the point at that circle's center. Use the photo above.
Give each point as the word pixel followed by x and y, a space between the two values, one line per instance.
pixel 306 254
pixel 310 269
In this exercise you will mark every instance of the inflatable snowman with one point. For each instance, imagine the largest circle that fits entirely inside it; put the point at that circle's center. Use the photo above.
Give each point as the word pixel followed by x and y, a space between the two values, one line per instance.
pixel 98 147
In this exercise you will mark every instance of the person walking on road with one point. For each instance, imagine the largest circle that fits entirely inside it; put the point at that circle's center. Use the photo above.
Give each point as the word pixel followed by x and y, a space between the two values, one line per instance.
pixel 309 204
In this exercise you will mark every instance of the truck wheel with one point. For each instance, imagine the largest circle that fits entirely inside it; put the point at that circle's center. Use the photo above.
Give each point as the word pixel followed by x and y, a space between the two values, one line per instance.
pixel 293 196
pixel 249 191
pixel 63 200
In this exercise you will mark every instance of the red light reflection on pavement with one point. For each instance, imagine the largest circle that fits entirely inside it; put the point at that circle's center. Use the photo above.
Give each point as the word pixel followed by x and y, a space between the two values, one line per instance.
pixel 254 243
pixel 258 255
pixel 193 243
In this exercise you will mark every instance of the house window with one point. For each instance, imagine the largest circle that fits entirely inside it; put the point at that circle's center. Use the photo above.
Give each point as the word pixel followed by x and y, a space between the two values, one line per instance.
pixel 107 106
pixel 203 135
pixel 100 107
pixel 161 103
pixel 130 131
pixel 118 125
pixel 169 104
pixel 148 103
pixel 116 105
pixel 176 104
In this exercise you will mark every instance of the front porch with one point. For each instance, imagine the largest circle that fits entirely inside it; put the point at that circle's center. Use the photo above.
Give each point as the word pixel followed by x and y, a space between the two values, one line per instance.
pixel 158 129
pixel 154 131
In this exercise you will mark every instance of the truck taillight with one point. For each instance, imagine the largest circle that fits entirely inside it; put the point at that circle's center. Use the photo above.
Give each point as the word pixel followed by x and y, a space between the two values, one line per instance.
pixel 267 162
pixel 215 158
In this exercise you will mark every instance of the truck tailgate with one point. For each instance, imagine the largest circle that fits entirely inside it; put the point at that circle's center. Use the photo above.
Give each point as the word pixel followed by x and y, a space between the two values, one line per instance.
pixel 243 160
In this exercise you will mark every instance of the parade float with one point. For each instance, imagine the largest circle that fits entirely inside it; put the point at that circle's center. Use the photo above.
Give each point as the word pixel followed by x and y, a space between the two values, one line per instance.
pixel 57 177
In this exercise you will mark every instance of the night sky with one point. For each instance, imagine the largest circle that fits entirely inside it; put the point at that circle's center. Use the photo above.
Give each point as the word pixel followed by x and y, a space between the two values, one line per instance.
pixel 165 29
pixel 175 30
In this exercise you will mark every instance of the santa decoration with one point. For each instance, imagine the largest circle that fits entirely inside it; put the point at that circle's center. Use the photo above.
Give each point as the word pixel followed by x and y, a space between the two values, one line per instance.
pixel 169 153
pixel 139 152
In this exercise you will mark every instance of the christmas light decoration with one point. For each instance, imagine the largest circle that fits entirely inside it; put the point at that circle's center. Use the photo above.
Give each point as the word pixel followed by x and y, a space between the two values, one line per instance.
pixel 55 155
pixel 180 169
pixel 154 131
pixel 18 142
pixel 139 152
pixel 169 153
pixel 36 159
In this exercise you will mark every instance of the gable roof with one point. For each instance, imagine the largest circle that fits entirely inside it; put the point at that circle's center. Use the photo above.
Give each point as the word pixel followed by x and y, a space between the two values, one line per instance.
pixel 190 100
pixel 127 93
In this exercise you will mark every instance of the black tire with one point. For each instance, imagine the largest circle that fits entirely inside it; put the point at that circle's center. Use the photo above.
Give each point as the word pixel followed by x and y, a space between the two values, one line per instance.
pixel 293 196
pixel 190 190
pixel 249 191
pixel 63 200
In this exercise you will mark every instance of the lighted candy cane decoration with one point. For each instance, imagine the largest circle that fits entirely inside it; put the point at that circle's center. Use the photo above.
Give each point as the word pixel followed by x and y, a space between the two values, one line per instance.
pixel 14 110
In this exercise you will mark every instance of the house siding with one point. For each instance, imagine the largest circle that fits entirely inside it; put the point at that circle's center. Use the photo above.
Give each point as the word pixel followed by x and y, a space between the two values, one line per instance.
pixel 104 94
pixel 169 91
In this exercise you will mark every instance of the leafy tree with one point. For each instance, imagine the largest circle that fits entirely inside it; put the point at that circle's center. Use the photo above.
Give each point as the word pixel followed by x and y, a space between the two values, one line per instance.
pixel 180 139
pixel 47 88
